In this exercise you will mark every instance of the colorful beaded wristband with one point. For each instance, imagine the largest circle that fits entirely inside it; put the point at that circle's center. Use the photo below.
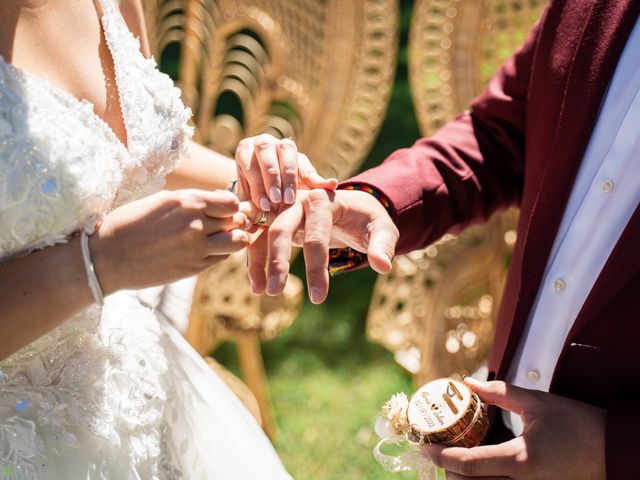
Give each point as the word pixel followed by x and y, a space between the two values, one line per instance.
pixel 381 197
pixel 342 260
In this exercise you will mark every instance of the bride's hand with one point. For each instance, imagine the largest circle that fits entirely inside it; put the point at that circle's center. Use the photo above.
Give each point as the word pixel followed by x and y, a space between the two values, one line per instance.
pixel 167 236
pixel 270 171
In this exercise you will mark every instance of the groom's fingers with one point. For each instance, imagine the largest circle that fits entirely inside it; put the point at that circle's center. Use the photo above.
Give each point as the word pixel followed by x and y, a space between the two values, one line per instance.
pixel 503 395
pixel 280 239
pixel 256 259
pixel 382 244
pixel 317 234
pixel 483 461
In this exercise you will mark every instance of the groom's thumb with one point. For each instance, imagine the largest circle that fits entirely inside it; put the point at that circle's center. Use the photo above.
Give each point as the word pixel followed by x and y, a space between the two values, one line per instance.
pixel 383 238
pixel 503 395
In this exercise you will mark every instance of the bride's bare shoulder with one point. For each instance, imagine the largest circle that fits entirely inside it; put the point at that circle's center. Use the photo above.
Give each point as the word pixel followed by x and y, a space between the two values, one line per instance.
pixel 133 14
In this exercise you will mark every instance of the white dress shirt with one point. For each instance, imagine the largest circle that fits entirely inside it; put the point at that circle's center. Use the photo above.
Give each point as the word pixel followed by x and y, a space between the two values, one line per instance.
pixel 604 196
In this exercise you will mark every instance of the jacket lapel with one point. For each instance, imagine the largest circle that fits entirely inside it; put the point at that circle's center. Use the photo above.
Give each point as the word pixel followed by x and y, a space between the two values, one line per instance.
pixel 601 43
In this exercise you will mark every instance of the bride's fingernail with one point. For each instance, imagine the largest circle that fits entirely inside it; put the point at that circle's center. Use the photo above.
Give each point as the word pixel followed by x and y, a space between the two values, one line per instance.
pixel 275 195
pixel 289 196
pixel 265 205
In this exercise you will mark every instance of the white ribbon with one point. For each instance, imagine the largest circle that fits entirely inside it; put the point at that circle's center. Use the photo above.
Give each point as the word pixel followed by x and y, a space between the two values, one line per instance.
pixel 411 460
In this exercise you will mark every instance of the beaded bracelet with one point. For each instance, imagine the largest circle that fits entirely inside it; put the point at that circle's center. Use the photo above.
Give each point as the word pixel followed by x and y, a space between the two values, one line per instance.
pixel 381 197
pixel 342 260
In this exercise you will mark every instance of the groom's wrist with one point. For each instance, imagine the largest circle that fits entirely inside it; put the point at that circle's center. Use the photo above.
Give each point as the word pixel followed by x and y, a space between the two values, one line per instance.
pixel 343 260
pixel 371 190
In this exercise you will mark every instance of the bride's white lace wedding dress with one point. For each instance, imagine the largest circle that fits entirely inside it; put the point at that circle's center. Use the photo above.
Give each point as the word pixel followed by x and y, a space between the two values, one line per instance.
pixel 113 393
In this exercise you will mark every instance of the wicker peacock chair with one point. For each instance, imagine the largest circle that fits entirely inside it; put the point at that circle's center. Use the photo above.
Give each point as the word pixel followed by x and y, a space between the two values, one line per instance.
pixel 436 309
pixel 319 71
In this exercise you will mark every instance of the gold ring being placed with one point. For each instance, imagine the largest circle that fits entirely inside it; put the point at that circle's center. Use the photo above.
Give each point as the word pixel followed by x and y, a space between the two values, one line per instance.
pixel 263 219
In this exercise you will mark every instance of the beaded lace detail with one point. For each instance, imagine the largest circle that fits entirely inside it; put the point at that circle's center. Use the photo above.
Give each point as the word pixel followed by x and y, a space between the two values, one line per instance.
pixel 98 378
pixel 61 166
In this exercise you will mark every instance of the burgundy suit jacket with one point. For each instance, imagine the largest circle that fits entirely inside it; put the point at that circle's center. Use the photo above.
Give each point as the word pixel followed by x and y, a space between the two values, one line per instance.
pixel 521 144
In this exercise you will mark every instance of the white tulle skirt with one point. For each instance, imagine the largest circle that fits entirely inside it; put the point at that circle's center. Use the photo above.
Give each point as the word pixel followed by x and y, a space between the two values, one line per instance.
pixel 213 435
pixel 119 394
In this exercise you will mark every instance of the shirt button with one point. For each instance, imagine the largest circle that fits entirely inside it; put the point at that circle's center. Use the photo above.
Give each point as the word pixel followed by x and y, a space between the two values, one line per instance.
pixel 533 376
pixel 558 285
pixel 607 186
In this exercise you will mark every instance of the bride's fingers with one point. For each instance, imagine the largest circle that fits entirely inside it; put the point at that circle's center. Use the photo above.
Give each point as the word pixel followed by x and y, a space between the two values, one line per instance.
pixel 258 217
pixel 213 260
pixel 267 158
pixel 214 225
pixel 217 204
pixel 250 175
pixel 288 156
pixel 223 243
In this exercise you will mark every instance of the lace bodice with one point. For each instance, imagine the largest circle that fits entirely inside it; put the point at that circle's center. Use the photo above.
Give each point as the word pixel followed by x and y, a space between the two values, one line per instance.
pixel 62 167
pixel 96 379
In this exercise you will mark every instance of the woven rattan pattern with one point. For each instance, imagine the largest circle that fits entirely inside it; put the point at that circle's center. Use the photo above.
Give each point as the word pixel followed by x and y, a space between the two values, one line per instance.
pixel 436 310
pixel 455 47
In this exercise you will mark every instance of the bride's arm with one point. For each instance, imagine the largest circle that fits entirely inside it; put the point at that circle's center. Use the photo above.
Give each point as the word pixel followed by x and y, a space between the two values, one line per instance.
pixel 151 241
pixel 205 169
pixel 38 292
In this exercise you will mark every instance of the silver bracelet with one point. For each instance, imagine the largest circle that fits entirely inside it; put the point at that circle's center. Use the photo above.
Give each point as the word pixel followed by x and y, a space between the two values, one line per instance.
pixel 92 279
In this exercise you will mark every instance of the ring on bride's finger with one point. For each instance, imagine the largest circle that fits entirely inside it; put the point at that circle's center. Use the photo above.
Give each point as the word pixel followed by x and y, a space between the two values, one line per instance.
pixel 262 220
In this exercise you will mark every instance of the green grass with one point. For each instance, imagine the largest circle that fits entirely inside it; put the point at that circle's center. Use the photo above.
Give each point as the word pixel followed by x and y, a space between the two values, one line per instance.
pixel 328 383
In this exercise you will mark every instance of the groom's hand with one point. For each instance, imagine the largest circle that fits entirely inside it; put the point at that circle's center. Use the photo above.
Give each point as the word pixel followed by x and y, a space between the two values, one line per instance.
pixel 320 220
pixel 562 438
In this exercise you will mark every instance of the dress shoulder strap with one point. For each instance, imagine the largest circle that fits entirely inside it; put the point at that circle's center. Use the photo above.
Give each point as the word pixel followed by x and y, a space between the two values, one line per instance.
pixel 107 4
pixel 111 12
